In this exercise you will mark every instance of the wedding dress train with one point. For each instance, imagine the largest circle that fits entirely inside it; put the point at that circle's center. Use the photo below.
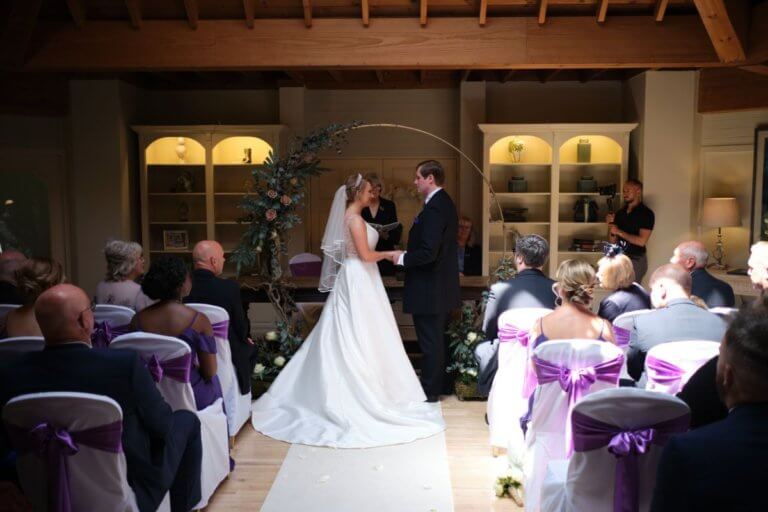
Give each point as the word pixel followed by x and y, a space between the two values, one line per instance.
pixel 351 384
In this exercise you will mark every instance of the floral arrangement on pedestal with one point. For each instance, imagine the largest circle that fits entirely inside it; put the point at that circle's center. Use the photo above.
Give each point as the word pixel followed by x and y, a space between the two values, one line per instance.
pixel 274 349
pixel 464 333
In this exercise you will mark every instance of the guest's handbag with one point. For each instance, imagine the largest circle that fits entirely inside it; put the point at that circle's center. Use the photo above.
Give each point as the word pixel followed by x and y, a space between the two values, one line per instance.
pixel 585 210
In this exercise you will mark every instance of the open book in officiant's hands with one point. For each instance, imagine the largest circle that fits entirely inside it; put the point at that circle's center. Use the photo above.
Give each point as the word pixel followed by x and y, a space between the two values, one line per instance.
pixel 384 228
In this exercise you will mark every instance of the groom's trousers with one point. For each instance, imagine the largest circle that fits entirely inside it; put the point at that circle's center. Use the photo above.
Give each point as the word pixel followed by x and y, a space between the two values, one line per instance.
pixel 430 333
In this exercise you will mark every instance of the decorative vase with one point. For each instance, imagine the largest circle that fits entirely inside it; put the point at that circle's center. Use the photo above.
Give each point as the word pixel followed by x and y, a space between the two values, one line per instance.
pixel 259 387
pixel 516 150
pixel 583 151
pixel 181 149
pixel 247 155
pixel 467 392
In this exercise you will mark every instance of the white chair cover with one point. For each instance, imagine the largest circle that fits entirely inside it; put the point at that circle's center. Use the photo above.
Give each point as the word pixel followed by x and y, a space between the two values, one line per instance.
pixel 97 479
pixel 586 482
pixel 237 406
pixel 506 403
pixel 622 325
pixel 687 356
pixel 726 314
pixel 546 437
pixel 112 314
pixel 13 347
pixel 179 395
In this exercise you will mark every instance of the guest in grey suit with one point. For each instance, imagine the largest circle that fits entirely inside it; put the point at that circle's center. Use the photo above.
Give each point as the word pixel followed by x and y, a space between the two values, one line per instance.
pixel 530 288
pixel 676 317
pixel 693 256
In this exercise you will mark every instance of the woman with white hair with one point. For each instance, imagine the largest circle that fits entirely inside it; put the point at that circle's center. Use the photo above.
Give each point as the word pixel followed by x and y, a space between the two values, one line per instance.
pixel 617 275
pixel 125 264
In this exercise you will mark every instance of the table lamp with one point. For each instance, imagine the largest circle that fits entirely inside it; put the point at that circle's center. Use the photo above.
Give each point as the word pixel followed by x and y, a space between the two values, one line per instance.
pixel 720 212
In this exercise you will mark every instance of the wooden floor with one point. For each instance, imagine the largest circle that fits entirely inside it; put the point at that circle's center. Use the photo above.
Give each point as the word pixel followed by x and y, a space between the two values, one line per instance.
pixel 472 468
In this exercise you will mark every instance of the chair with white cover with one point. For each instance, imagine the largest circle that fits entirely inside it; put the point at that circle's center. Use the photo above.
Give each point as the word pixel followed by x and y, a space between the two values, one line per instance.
pixel 670 365
pixel 618 435
pixel 237 405
pixel 725 313
pixel 81 436
pixel 110 321
pixel 305 264
pixel 567 371
pixel 506 400
pixel 14 347
pixel 168 360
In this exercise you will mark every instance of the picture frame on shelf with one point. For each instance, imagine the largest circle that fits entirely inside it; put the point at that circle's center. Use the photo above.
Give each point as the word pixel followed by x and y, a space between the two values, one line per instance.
pixel 175 240
pixel 759 224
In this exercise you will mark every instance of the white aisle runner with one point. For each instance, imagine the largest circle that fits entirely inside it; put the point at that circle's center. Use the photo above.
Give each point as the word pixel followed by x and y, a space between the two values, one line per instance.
pixel 409 477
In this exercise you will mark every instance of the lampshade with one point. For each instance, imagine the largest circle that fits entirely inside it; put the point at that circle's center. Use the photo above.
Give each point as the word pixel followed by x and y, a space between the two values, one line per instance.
pixel 720 212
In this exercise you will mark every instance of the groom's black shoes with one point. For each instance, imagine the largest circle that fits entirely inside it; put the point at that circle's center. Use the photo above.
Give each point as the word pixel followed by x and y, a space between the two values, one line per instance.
pixel 433 398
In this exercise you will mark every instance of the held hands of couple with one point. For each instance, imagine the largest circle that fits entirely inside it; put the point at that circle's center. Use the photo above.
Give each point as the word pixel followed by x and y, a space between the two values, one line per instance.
pixel 395 256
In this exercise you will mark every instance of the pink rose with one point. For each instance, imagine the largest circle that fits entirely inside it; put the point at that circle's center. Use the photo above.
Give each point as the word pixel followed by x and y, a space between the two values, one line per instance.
pixel 272 194
pixel 271 215
pixel 285 200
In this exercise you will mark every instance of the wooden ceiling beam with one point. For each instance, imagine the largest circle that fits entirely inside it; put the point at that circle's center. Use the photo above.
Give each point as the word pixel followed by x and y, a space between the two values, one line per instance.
pixel 542 12
pixel 336 75
pixel 422 76
pixel 380 76
pixel 134 12
pixel 760 69
pixel 602 11
pixel 423 13
pixel 465 75
pixel 483 12
pixel 390 43
pixel 77 11
pixel 508 75
pixel 365 12
pixel 21 22
pixel 715 17
pixel 307 4
pixel 547 75
pixel 660 10
pixel 249 9
pixel 296 76
pixel 193 13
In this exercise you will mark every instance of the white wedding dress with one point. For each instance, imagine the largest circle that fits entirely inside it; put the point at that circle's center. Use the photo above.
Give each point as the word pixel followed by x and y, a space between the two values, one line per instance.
pixel 351 384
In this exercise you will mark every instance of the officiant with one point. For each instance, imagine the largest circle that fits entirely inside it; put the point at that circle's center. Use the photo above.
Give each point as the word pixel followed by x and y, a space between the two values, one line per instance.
pixel 382 211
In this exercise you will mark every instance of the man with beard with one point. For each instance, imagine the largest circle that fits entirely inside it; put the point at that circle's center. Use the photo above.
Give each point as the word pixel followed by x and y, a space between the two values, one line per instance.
pixel 722 466
pixel 631 227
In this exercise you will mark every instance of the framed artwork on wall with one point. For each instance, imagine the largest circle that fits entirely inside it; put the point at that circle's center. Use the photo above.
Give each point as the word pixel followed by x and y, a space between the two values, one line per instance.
pixel 759 224
pixel 175 240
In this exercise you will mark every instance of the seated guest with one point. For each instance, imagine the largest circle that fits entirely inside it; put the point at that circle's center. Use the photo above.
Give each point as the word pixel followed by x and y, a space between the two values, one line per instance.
pixel 758 267
pixel 470 254
pixel 575 288
pixel 382 211
pixel 616 273
pixel 693 256
pixel 125 264
pixel 162 448
pixel 207 288
pixel 32 279
pixel 676 317
pixel 530 288
pixel 723 466
pixel 10 261
pixel 168 283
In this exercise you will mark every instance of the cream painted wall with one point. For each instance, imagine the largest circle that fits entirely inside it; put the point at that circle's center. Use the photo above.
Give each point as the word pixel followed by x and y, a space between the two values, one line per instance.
pixel 207 107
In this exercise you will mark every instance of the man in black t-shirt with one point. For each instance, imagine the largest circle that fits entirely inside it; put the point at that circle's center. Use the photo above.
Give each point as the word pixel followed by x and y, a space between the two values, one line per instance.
pixel 631 227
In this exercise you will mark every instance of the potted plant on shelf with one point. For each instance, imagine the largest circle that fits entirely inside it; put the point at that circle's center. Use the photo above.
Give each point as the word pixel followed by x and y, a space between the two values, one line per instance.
pixel 274 349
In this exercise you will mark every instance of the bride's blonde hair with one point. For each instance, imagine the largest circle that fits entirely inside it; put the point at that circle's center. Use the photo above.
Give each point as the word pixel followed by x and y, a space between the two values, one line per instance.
pixel 355 183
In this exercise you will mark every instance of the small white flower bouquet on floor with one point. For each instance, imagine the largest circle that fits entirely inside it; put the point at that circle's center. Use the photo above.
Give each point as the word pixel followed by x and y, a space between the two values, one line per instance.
pixel 510 483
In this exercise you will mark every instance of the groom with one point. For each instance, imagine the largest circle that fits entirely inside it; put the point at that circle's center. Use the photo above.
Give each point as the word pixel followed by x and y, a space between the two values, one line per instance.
pixel 432 274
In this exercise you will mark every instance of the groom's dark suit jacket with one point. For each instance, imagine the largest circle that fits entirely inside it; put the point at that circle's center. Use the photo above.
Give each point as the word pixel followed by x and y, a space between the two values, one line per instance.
pixel 431 262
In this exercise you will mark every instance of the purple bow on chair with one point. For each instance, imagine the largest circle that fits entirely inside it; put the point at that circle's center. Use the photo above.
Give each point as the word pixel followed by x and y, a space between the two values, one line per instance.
pixel 576 382
pixel 103 333
pixel 221 329
pixel 621 335
pixel 55 445
pixel 626 445
pixel 176 369
pixel 508 333
pixel 663 372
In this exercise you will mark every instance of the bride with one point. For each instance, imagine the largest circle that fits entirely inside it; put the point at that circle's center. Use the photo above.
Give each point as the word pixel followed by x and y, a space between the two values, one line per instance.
pixel 351 384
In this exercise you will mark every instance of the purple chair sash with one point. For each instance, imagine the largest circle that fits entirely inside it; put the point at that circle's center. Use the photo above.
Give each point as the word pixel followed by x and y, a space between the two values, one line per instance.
pixel 576 382
pixel 306 269
pixel 509 332
pixel 662 371
pixel 103 333
pixel 54 445
pixel 221 329
pixel 621 335
pixel 626 445
pixel 177 369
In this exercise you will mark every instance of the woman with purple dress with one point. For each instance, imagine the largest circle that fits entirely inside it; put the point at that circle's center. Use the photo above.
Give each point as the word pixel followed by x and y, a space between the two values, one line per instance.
pixel 168 282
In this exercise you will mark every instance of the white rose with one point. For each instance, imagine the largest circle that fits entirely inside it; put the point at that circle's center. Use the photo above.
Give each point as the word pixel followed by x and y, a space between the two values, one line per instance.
pixel 271 336
pixel 467 342
pixel 471 337
pixel 472 372
pixel 258 369
pixel 279 361
pixel 499 489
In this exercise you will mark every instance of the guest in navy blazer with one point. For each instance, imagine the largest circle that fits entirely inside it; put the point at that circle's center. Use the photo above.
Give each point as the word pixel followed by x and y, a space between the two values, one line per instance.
pixel 162 448
pixel 693 256
pixel 723 466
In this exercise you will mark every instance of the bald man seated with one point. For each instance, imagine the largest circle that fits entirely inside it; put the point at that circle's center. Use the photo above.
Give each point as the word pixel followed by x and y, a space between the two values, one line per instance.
pixel 10 261
pixel 693 256
pixel 209 288
pixel 162 448
pixel 675 318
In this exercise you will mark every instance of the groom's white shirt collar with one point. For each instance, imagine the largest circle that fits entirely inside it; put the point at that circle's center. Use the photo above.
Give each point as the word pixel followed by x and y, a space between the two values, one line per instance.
pixel 438 189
